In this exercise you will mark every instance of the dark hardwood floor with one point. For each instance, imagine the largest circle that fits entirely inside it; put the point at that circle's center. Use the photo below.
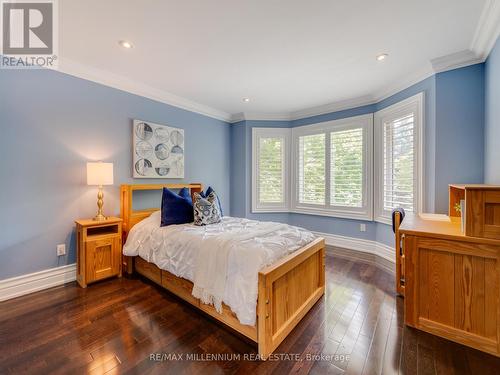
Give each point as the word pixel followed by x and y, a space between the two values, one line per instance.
pixel 117 325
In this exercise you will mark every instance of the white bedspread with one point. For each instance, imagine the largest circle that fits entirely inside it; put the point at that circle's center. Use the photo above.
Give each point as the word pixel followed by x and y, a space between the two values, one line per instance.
pixel 222 260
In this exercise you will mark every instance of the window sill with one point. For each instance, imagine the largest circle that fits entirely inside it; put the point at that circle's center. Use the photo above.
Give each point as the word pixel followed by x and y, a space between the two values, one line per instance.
pixel 318 212
pixel 333 213
pixel 269 210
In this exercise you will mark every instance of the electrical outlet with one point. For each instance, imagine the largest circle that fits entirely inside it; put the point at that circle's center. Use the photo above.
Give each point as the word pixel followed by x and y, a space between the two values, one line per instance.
pixel 362 227
pixel 61 250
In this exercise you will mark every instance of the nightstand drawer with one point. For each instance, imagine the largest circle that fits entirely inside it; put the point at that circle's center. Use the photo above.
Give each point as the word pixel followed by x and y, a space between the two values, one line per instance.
pixel 103 258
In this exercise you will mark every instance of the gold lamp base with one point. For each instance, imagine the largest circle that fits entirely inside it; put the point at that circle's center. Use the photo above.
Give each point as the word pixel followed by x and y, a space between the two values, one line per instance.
pixel 100 202
pixel 99 217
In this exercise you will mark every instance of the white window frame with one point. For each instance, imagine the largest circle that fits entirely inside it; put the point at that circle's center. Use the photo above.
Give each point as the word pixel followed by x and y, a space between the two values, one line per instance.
pixel 413 104
pixel 361 213
pixel 257 134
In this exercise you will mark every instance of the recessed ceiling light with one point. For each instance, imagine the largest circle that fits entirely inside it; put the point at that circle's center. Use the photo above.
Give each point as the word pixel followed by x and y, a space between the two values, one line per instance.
pixel 246 100
pixel 382 57
pixel 125 44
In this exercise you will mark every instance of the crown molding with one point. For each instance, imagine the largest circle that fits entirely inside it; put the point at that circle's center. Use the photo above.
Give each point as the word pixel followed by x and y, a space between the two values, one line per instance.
pixel 488 29
pixel 455 60
pixel 260 116
pixel 304 113
pixel 106 78
pixel 333 107
pixel 408 81
pixel 237 117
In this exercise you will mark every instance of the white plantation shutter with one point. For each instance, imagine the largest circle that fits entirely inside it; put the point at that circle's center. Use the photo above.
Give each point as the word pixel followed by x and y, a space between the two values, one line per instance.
pixel 333 168
pixel 270 181
pixel 398 157
pixel 271 162
pixel 346 165
pixel 312 169
pixel 399 171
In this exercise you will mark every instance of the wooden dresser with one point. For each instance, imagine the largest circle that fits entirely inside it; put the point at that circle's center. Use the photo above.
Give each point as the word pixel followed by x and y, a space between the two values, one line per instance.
pixel 99 250
pixel 451 281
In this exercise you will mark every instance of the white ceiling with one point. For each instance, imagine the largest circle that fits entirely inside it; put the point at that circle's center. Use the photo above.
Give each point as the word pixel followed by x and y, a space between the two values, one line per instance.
pixel 285 55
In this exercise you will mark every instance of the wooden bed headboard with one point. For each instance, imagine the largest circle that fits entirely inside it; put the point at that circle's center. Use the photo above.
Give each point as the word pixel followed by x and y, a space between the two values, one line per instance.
pixel 130 216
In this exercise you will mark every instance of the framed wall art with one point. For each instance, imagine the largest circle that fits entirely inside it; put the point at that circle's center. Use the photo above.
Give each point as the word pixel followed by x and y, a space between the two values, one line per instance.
pixel 158 151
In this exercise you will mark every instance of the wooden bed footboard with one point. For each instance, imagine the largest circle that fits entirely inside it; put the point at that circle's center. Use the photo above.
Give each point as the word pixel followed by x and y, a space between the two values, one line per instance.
pixel 287 291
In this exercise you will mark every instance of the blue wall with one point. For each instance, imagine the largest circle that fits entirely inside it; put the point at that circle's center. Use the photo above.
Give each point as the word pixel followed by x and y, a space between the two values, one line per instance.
pixel 492 120
pixel 460 130
pixel 454 116
pixel 52 124
pixel 238 173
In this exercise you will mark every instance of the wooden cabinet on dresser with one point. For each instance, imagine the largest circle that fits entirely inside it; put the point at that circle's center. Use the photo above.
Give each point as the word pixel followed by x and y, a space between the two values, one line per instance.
pixel 482 205
pixel 99 246
pixel 452 282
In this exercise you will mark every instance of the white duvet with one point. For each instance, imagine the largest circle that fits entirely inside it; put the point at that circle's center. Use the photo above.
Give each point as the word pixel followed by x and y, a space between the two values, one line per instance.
pixel 222 260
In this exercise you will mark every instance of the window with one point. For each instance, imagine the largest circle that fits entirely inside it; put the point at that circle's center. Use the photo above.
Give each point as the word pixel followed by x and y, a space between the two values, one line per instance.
pixel 312 169
pixel 332 173
pixel 346 164
pixel 398 158
pixel 270 179
pixel 359 168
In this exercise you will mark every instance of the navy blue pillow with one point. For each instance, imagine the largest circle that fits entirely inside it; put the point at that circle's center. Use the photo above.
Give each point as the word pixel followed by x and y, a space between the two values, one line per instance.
pixel 184 192
pixel 207 193
pixel 176 208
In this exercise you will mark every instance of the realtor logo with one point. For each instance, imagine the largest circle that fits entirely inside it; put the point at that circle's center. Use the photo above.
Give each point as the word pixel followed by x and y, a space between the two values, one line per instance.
pixel 29 34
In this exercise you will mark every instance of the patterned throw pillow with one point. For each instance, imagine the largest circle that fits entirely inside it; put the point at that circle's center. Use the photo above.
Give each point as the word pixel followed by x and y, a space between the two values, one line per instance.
pixel 207 193
pixel 206 210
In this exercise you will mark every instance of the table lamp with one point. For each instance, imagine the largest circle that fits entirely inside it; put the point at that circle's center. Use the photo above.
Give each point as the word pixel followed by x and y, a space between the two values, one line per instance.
pixel 99 174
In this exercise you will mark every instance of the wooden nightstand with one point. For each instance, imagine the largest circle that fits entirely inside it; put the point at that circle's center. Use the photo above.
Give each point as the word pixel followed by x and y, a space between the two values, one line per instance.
pixel 99 250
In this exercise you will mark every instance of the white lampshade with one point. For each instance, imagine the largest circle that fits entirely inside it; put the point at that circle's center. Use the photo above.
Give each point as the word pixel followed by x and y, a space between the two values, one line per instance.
pixel 99 173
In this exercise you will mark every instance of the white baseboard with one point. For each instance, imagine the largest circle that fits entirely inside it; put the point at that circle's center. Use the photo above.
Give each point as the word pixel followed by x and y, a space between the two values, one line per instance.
pixel 33 282
pixel 358 244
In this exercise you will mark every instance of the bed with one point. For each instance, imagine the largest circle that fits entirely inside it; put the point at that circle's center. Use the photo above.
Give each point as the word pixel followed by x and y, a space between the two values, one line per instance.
pixel 286 287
